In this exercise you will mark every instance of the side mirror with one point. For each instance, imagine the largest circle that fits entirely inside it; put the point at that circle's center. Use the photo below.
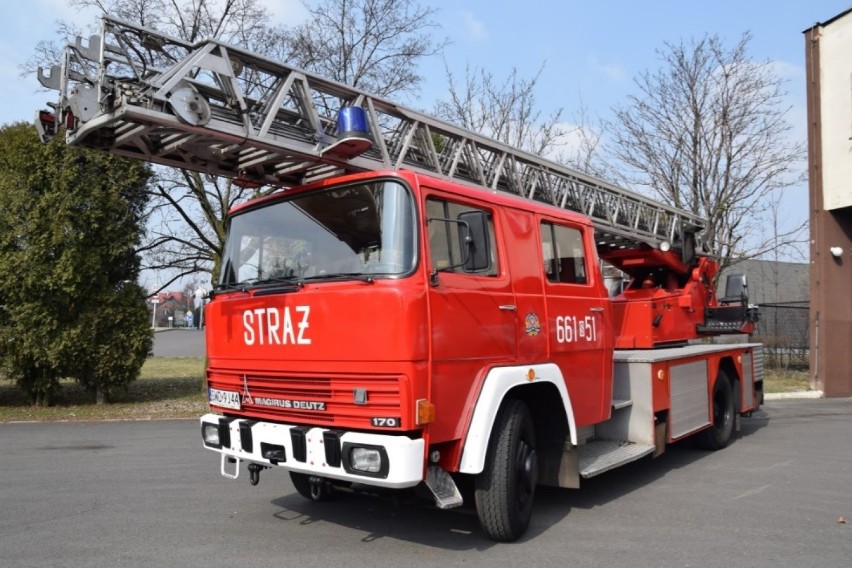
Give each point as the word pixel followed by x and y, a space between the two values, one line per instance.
pixel 473 236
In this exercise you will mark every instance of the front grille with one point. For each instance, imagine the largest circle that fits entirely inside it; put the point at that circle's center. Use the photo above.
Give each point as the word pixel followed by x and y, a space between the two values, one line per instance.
pixel 328 400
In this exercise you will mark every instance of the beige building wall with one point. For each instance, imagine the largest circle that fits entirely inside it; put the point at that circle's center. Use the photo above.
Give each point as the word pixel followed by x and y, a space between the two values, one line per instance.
pixel 835 77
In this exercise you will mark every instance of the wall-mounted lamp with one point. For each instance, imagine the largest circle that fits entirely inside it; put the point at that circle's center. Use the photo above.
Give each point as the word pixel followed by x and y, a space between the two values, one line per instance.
pixel 836 252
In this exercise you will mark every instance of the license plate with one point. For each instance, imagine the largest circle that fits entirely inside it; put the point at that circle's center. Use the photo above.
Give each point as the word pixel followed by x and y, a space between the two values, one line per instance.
pixel 225 399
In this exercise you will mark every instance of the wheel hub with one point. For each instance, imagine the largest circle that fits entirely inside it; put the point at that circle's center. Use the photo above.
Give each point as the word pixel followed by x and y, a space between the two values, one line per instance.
pixel 528 469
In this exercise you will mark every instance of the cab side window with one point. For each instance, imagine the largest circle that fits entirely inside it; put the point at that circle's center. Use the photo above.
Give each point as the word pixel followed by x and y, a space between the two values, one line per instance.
pixel 563 254
pixel 445 225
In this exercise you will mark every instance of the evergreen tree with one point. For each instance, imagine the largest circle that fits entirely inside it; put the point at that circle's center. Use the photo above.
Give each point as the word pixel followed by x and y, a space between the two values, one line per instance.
pixel 70 222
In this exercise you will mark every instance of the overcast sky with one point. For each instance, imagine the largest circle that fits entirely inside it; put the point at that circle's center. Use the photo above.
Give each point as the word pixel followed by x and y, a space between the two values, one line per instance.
pixel 592 50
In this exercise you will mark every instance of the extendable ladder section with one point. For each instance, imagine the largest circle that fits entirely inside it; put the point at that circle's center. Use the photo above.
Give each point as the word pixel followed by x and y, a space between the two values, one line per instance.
pixel 219 109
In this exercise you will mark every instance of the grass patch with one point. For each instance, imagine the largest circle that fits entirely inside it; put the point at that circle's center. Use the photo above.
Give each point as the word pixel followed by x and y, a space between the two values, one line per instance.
pixel 781 380
pixel 168 387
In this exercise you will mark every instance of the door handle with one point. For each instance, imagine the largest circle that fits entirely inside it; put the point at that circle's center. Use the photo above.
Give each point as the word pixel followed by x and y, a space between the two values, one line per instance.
pixel 599 310
pixel 509 307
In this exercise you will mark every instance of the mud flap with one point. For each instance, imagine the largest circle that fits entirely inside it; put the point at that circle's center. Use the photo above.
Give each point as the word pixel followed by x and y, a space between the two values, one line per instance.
pixel 559 466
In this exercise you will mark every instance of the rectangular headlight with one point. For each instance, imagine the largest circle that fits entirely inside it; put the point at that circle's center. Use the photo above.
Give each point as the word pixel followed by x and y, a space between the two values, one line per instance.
pixel 210 434
pixel 368 460
pixel 365 459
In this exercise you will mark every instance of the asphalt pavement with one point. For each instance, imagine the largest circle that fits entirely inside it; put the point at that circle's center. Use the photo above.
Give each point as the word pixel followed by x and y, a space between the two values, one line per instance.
pixel 179 342
pixel 147 494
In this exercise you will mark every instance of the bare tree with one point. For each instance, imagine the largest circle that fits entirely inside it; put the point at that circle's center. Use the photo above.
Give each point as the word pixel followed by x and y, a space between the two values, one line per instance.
pixel 586 151
pixel 506 111
pixel 372 44
pixel 708 132
pixel 241 22
pixel 186 231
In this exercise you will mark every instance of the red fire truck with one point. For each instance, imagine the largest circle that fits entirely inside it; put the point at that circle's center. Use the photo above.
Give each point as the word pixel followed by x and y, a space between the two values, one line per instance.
pixel 418 305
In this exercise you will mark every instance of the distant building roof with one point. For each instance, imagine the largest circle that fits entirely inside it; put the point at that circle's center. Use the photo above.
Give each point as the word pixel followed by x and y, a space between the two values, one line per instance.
pixel 170 296
pixel 828 21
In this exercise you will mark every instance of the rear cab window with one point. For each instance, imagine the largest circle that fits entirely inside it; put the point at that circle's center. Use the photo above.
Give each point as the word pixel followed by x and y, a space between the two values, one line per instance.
pixel 563 254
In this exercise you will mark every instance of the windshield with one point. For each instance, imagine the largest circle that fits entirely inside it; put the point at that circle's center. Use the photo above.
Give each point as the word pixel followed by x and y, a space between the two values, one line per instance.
pixel 364 229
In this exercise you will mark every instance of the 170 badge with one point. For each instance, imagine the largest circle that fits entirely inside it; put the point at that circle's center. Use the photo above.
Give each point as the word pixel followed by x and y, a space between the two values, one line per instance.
pixel 386 422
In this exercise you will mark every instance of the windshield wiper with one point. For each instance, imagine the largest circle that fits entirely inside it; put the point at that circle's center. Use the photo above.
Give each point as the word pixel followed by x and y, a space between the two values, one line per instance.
pixel 341 276
pixel 228 286
pixel 263 286
pixel 266 285
pixel 294 280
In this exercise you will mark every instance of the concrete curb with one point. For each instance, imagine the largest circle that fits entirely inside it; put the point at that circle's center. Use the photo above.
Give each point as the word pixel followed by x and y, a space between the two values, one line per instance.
pixel 810 394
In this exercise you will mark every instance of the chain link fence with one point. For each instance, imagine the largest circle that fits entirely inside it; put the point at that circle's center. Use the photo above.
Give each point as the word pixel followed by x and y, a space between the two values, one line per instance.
pixel 784 331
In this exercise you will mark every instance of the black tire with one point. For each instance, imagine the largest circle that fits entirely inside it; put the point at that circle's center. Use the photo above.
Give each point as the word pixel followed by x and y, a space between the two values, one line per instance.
pixel 505 489
pixel 719 434
pixel 312 487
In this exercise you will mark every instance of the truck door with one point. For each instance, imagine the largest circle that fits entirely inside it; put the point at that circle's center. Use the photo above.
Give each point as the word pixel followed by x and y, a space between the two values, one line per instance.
pixel 472 311
pixel 579 331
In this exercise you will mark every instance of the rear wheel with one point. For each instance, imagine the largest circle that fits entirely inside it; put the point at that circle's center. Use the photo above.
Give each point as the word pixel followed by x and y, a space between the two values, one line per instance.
pixel 505 489
pixel 719 434
pixel 311 486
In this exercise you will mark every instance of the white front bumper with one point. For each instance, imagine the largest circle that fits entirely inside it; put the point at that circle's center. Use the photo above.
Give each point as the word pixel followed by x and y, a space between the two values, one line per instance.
pixel 405 456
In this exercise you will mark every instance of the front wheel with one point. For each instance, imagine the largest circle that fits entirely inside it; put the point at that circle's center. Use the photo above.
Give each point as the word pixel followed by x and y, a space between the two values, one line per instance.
pixel 505 489
pixel 719 434
pixel 312 487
